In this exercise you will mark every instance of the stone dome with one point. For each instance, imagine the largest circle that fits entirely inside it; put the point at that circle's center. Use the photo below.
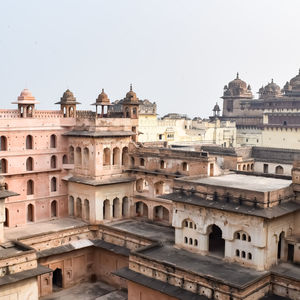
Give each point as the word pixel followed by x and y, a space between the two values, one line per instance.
pixel 237 88
pixel 270 90
pixel 26 95
pixel 131 95
pixel 237 83
pixel 68 97
pixel 102 98
pixel 295 81
pixel 292 88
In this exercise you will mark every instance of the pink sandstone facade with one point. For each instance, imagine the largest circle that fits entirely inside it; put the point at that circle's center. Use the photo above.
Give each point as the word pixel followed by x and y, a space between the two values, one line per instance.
pixel 155 221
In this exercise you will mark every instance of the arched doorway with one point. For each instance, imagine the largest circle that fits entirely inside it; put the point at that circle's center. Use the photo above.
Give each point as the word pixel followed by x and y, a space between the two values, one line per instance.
pixel 125 207
pixel 57 278
pixel 106 210
pixel 216 244
pixel 30 213
pixel 160 213
pixel 87 209
pixel 78 208
pixel 71 206
pixel 116 208
pixel 6 223
pixel 280 246
pixel 54 209
pixel 141 209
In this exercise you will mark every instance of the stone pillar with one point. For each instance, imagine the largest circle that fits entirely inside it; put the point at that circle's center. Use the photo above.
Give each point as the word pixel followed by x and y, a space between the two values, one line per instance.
pixel 203 242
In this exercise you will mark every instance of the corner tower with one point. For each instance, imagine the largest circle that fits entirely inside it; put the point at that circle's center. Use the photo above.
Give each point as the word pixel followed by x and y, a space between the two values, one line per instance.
pixel 68 104
pixel 26 104
pixel 236 91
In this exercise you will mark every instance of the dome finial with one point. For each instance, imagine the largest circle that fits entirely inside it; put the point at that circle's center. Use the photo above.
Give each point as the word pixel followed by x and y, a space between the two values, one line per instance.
pixel 237 75
pixel 102 90
pixel 272 80
pixel 130 86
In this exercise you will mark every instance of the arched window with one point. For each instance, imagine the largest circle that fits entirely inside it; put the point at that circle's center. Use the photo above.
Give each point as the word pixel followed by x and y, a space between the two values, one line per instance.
pixel 241 235
pixel 116 208
pixel 53 141
pixel 195 242
pixel 3 165
pixel 78 208
pixel 106 210
pixel 53 209
pixel 71 154
pixel 29 164
pixel 142 162
pixel 53 162
pixel 132 161
pixel 116 156
pixel 185 166
pixel 279 170
pixel 159 188
pixel 6 222
pixel 78 158
pixel 30 213
pixel 3 143
pixel 185 240
pixel 140 185
pixel 53 184
pixel 237 252
pixel 125 156
pixel 71 206
pixel 162 164
pixel 125 207
pixel 86 157
pixel 191 241
pixel 243 254
pixel 30 187
pixel 86 209
pixel 29 142
pixel 249 256
pixel 106 157
pixel 65 159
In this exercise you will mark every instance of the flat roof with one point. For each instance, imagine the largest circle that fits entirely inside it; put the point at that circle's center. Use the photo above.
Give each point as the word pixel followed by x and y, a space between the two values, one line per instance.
pixel 161 286
pixel 100 182
pixel 244 182
pixel 206 266
pixel 37 228
pixel 96 134
pixel 282 209
pixel 144 229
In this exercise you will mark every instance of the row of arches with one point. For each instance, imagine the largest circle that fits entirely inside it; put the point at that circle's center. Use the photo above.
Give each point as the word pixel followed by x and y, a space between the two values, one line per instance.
pixel 30 186
pixel 162 164
pixel 246 167
pixel 160 213
pixel 216 242
pixel 29 165
pixel 30 212
pixel 159 188
pixel 81 156
pixel 114 209
pixel 28 142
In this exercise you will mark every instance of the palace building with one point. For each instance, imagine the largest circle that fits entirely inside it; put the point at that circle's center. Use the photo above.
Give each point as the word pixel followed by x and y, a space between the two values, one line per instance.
pixel 84 201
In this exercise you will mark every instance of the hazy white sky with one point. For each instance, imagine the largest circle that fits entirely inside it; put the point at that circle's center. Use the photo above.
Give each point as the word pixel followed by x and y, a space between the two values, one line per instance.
pixel 177 53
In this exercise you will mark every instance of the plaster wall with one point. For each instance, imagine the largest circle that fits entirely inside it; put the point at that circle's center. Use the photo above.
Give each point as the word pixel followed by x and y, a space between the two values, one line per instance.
pixel 25 289
pixel 281 138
